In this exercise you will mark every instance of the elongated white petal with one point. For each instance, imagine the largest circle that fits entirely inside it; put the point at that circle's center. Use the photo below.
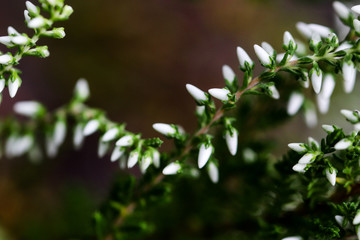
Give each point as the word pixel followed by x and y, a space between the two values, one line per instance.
pixel 31 7
pixel 91 127
pixel 328 128
pixel 116 154
pixel 297 147
pixel 295 102
pixel 133 159
pixel 78 137
pixel 204 155
pixel 274 92
pixel 156 158
pixel 341 10
pixel 299 167
pixel 37 22
pixel 164 129
pixel 219 93
pixel 13 87
pixel 268 48
pixel 304 30
pixel 349 115
pixel 20 40
pixel 103 147
pixel 307 158
pixel 110 134
pixel 196 93
pixel 356 220
pixel 316 80
pixel 12 31
pixel 339 219
pixel 356 9
pixel 2 84
pixel 213 172
pixel 349 75
pixel 344 46
pixel 6 40
pixel 263 56
pixel 171 169
pixel 243 57
pixel 343 144
pixel 59 132
pixel 27 16
pixel 293 238
pixel 288 39
pixel 323 103
pixel 232 142
pixel 356 24
pixel 331 176
pixel 145 163
pixel 5 59
pixel 320 29
pixel 228 73
pixel 328 86
pixel 27 108
pixel 82 89
pixel 125 141
pixel 310 115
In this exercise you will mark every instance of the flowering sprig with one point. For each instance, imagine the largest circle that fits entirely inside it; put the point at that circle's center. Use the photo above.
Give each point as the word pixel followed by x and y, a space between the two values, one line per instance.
pixel 25 45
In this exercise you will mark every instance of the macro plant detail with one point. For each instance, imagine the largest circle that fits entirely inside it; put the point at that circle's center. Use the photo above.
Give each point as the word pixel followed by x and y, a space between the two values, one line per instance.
pixel 311 193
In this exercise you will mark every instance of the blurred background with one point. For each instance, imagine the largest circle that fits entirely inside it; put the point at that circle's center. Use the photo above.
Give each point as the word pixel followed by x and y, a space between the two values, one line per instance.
pixel 137 57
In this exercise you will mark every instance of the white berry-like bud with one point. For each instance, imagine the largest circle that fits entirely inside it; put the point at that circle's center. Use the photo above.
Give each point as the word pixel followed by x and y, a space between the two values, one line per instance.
pixel 343 144
pixel 171 169
pixel 213 172
pixel 164 129
pixel 341 10
pixel 331 175
pixel 307 158
pixel 243 57
pixel 204 155
pixel 133 159
pixel 110 134
pixel 37 22
pixel 196 93
pixel 125 141
pixel 316 80
pixel 295 102
pixel 349 75
pixel 232 141
pixel 13 87
pixel 228 73
pixel 263 56
pixel 5 59
pixel 220 93
pixel 297 147
pixel 349 115
pixel 91 127
pixel 27 108
pixel 82 89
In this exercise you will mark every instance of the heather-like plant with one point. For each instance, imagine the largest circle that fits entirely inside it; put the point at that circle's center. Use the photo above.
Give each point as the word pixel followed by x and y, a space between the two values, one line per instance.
pixel 221 181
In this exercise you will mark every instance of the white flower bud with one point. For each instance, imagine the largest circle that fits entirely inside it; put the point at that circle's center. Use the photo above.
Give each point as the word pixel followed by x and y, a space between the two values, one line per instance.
pixel 133 159
pixel 26 15
pixel 243 57
pixel 343 144
pixel 249 155
pixel 310 115
pixel 232 141
pixel 339 219
pixel 91 127
pixel 204 155
pixel 196 93
pixel 145 163
pixel 307 158
pixel 344 45
pixel 293 238
pixel 322 103
pixel 103 147
pixel 156 158
pixel 295 102
pixel 328 128
pixel 220 93
pixel 341 10
pixel 171 169
pixel 316 80
pixel 356 24
pixel 122 162
pixel 6 40
pixel 116 154
pixel 356 220
pixel 289 40
pixel 125 141
pixel 356 9
pixel 331 175
pixel 268 48
pixel 299 167
pixel 328 86
pixel 274 92
pixel 228 73
pixel 320 29
pixel 78 137
pixel 312 141
pixel 164 129
pixel 200 110
pixel 82 89
pixel 213 172
pixel 263 56
pixel 349 75
pixel 51 147
pixel 32 8
pixel 2 84
pixel 27 108
pixel 12 31
pixel 20 40
pixel 37 22
pixel 297 147
pixel 5 59
pixel 110 134
pixel 13 87
pixel 59 132
pixel 349 115
pixel 304 30
pixel 67 11
pixel 315 38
